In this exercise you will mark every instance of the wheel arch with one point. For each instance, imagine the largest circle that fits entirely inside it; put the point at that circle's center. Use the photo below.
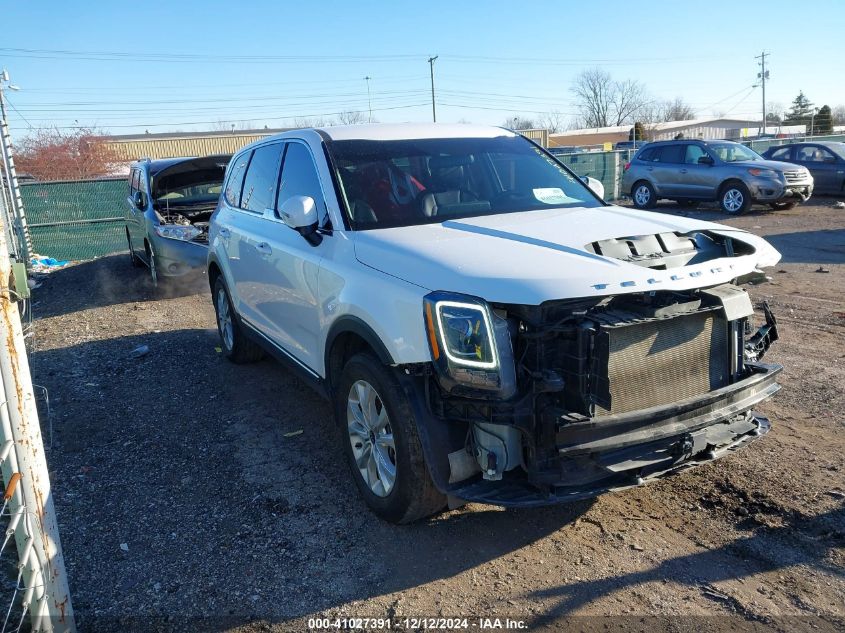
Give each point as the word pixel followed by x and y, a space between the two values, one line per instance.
pixel 730 181
pixel 347 336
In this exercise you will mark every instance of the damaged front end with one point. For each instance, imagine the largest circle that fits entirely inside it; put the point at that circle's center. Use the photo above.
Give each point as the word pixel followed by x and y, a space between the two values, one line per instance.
pixel 572 398
pixel 185 195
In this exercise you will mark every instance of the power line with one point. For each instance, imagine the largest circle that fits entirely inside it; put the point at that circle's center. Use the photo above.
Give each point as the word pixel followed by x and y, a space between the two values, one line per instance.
pixel 286 117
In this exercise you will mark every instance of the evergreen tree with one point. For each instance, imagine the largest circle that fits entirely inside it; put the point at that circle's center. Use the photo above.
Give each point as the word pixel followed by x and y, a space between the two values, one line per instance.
pixel 823 122
pixel 800 112
pixel 637 132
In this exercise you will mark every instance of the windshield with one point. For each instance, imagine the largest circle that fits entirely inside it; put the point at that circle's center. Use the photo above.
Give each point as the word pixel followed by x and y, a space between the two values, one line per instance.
pixel 733 152
pixel 406 182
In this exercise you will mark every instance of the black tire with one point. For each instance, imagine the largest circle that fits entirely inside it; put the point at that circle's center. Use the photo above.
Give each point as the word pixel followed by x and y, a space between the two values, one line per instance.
pixel 413 495
pixel 239 349
pixel 156 279
pixel 644 195
pixel 136 261
pixel 734 198
pixel 783 206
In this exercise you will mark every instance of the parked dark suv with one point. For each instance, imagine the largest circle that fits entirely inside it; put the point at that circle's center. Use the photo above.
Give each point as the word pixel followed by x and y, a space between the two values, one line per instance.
pixel 697 170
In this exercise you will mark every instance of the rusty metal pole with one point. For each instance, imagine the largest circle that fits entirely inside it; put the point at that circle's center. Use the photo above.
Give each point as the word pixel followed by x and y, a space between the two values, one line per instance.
pixel 37 534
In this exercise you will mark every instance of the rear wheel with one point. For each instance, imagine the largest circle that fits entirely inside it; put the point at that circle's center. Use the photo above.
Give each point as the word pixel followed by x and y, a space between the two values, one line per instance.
pixel 735 198
pixel 783 206
pixel 644 195
pixel 381 443
pixel 236 346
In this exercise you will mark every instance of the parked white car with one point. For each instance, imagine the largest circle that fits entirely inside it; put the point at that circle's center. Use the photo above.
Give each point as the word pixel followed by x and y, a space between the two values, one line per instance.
pixel 486 327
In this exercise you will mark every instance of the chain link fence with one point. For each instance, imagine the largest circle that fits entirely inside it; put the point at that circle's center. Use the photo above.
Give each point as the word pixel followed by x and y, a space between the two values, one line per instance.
pixel 73 220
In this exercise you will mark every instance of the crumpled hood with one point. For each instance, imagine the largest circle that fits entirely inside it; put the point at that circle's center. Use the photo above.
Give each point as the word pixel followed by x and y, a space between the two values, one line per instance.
pixel 537 256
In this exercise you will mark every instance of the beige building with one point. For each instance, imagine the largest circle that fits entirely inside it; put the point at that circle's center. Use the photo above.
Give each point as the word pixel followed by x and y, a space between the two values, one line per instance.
pixel 694 128
pixel 131 147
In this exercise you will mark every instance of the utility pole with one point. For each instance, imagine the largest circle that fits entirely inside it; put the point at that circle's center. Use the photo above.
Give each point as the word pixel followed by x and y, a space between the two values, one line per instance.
pixel 42 579
pixel 20 228
pixel 763 75
pixel 433 109
pixel 369 101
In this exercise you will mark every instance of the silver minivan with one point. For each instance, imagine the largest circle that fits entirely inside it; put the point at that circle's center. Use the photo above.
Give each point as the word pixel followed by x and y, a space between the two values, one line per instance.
pixel 724 171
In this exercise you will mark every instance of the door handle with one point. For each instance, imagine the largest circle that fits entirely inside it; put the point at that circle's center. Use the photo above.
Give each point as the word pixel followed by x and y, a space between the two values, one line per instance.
pixel 683 171
pixel 650 168
pixel 264 249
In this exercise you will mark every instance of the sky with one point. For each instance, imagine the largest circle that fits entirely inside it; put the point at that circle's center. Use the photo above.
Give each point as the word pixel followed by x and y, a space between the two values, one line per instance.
pixel 186 65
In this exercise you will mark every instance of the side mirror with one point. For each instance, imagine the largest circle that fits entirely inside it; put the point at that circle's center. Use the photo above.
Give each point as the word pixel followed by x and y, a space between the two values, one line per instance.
pixel 830 159
pixel 300 214
pixel 595 185
pixel 140 200
pixel 705 160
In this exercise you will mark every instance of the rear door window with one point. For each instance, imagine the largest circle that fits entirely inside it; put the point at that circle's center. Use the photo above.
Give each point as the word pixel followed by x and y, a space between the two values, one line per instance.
pixel 236 179
pixel 261 178
pixel 672 154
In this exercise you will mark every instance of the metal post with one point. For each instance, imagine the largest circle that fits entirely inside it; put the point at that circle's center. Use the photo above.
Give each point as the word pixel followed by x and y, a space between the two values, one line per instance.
pixel 22 230
pixel 764 75
pixel 369 101
pixel 433 109
pixel 36 531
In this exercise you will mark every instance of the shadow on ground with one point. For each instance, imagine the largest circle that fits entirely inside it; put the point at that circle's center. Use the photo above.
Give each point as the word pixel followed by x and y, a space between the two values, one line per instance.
pixel 229 489
pixel 805 540
pixel 106 281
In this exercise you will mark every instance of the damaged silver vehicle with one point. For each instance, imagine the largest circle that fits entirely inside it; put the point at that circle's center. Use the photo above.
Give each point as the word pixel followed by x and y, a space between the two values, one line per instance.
pixel 168 207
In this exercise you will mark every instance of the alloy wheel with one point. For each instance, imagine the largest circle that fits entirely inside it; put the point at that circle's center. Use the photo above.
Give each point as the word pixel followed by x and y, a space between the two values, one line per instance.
pixel 642 195
pixel 733 200
pixel 224 319
pixel 371 437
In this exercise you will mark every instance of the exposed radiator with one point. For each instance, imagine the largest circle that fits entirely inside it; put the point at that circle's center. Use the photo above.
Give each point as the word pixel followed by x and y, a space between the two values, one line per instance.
pixel 663 361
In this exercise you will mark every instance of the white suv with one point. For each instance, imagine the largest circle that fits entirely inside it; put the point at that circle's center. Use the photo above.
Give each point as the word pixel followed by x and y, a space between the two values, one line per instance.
pixel 486 327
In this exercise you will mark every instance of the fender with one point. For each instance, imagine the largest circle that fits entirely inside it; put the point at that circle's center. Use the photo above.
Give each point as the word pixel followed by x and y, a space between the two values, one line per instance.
pixel 349 323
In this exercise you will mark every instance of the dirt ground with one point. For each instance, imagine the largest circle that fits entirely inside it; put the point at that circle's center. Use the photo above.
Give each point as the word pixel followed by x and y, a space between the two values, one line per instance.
pixel 187 501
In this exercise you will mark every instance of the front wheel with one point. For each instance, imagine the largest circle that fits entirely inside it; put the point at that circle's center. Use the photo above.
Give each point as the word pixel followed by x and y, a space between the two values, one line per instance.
pixel 735 199
pixel 644 195
pixel 136 261
pixel 381 443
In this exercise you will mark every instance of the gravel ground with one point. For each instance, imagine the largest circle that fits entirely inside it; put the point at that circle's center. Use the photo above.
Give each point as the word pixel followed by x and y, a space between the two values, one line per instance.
pixel 193 494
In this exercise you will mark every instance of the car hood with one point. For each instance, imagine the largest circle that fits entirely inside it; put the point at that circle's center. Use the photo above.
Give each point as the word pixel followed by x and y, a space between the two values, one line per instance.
pixel 777 165
pixel 536 256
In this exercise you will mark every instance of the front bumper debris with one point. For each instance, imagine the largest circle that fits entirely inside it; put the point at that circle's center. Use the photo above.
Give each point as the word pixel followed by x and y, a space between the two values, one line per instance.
pixel 613 452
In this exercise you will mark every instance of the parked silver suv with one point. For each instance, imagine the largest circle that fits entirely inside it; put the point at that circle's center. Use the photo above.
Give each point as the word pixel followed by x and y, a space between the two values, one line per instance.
pixel 730 173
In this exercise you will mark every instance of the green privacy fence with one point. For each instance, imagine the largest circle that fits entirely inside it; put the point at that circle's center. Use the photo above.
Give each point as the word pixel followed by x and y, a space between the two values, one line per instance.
pixel 76 219
pixel 603 166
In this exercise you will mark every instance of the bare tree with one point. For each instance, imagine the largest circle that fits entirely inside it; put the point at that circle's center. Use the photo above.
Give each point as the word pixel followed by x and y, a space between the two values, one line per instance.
pixel 554 121
pixel 351 118
pixel 53 154
pixel 519 123
pixel 677 110
pixel 604 101
pixel 774 112
pixel 839 115
pixel 301 122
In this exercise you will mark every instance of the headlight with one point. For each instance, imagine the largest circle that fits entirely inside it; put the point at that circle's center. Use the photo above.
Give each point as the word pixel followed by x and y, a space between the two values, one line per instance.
pixel 177 232
pixel 470 345
pixel 763 173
